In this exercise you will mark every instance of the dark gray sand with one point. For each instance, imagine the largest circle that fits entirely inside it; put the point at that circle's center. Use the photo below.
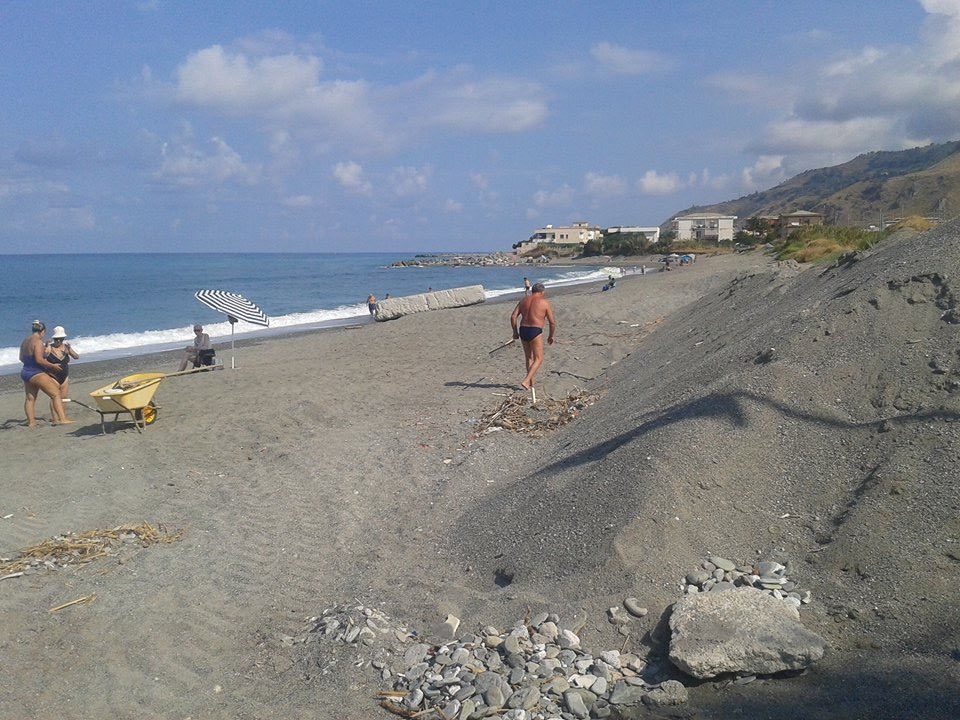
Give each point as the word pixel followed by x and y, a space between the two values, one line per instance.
pixel 342 466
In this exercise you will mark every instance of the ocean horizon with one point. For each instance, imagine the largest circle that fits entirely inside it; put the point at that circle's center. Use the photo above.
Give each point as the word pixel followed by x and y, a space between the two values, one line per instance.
pixel 124 304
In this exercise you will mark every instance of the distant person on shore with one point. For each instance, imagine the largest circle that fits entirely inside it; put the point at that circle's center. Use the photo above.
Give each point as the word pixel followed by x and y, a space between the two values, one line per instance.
pixel 35 377
pixel 527 323
pixel 191 353
pixel 59 352
pixel 387 296
pixel 526 286
pixel 372 303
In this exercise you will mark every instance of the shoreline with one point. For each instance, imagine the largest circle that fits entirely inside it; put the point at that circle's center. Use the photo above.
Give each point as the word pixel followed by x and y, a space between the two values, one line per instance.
pixel 223 341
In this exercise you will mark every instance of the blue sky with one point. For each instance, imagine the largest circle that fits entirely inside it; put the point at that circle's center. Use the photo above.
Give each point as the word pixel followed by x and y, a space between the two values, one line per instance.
pixel 167 126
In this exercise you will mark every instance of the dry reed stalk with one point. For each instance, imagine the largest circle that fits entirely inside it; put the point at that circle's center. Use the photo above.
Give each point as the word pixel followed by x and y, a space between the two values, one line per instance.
pixel 79 549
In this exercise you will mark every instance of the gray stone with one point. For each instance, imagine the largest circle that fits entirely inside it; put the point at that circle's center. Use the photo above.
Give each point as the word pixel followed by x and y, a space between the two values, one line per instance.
pixel 538 619
pixel 634 607
pixel 511 645
pixel 626 694
pixel 670 692
pixel 493 641
pixel 698 577
pixel 413 698
pixel 516 675
pixel 568 639
pixel 743 631
pixel 467 709
pixel 721 586
pixel 769 568
pixel 600 686
pixel 494 697
pixel 611 658
pixel 617 616
pixel 722 563
pixel 549 630
pixel 464 692
pixel 526 697
pixel 415 654
pixel 575 704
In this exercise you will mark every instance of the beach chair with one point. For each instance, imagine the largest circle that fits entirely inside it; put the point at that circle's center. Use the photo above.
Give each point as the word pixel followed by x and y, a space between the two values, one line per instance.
pixel 205 358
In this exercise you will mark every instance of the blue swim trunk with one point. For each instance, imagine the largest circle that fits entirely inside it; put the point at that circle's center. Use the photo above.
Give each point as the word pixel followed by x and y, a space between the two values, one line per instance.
pixel 528 333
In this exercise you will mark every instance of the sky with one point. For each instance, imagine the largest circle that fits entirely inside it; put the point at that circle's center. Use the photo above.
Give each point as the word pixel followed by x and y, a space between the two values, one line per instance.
pixel 397 126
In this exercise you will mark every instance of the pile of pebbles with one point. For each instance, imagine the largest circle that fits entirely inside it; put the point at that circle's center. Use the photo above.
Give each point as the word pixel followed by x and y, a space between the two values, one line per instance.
pixel 536 671
pixel 716 574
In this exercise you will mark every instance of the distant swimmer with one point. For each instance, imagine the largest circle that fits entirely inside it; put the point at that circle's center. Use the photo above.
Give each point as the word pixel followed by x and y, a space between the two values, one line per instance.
pixel 371 303
pixel 527 322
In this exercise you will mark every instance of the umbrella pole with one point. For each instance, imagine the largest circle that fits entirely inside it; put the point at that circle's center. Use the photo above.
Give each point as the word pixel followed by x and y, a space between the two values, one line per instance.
pixel 232 325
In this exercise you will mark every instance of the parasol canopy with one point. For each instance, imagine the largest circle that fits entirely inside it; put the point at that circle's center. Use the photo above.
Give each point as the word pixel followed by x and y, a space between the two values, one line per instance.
pixel 235 307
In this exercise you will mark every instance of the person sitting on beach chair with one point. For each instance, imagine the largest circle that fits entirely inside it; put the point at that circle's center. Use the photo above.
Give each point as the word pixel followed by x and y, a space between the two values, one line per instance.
pixel 200 353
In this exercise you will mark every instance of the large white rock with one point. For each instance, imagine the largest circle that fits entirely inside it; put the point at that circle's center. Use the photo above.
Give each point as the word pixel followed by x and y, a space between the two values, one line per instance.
pixel 436 300
pixel 743 631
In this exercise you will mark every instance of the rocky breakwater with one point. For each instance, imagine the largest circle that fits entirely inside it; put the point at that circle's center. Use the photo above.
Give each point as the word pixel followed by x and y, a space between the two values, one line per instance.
pixel 458 260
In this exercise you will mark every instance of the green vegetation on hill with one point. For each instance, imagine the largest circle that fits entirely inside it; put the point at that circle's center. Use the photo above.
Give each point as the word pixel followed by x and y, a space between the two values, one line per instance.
pixel 825 243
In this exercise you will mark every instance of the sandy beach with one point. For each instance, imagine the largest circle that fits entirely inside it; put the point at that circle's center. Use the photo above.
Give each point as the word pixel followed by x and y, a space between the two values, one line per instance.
pixel 342 466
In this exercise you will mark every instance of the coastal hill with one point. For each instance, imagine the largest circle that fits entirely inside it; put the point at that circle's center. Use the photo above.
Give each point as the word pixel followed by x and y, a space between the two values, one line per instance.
pixel 921 181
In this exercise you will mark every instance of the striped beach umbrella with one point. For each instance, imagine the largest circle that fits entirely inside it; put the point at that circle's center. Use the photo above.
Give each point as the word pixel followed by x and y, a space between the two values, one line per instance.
pixel 235 307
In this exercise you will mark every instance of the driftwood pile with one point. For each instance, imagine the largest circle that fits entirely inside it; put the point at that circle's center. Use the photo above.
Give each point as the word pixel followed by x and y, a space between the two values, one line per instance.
pixel 518 414
pixel 80 548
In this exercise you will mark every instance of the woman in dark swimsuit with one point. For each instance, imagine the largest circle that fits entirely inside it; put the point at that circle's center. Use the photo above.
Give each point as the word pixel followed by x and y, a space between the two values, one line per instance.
pixel 35 378
pixel 59 351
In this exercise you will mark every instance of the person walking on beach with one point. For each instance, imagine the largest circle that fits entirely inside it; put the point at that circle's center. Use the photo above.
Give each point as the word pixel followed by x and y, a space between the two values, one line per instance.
pixel 35 377
pixel 527 322
pixel 372 303
pixel 526 286
pixel 191 353
pixel 59 351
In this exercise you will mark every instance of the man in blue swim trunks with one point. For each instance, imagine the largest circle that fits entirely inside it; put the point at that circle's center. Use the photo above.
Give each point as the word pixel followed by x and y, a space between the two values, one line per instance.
pixel 527 322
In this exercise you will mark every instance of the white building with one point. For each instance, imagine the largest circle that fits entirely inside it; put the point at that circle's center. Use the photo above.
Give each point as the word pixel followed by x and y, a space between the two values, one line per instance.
pixel 706 227
pixel 578 233
pixel 652 234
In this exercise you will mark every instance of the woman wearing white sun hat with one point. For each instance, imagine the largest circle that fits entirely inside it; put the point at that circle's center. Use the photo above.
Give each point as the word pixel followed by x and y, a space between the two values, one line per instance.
pixel 59 351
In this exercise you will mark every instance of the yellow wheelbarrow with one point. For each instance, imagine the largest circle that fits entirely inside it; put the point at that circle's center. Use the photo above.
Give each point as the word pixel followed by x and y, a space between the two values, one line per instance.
pixel 132 395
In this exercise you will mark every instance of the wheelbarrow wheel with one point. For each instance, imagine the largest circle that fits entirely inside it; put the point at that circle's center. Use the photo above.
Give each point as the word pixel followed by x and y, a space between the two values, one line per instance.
pixel 148 414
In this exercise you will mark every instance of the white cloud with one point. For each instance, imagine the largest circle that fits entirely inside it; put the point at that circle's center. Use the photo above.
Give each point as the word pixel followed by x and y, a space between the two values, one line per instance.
pixel 943 27
pixel 499 105
pixel 563 195
pixel 452 206
pixel 867 57
pixel 186 165
pixel 817 136
pixel 871 98
pixel 407 181
pixel 297 201
pixel 479 181
pixel 623 61
pixel 653 183
pixel 604 186
pixel 765 172
pixel 350 176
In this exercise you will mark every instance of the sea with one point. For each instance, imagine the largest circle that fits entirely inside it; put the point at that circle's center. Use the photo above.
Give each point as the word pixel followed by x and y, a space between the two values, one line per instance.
pixel 120 305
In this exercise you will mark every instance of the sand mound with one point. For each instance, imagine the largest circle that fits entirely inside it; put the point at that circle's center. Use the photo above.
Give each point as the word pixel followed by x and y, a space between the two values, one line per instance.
pixel 806 416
